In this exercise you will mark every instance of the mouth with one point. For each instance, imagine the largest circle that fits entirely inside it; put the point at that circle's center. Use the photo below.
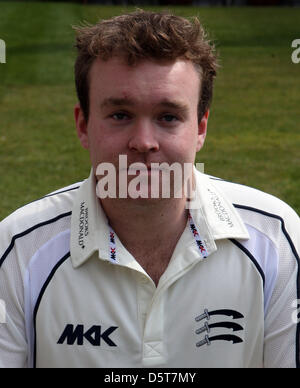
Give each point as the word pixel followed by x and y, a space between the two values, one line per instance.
pixel 147 171
pixel 139 169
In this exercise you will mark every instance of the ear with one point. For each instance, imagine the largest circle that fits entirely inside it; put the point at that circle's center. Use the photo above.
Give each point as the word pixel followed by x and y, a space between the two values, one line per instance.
pixel 81 126
pixel 202 130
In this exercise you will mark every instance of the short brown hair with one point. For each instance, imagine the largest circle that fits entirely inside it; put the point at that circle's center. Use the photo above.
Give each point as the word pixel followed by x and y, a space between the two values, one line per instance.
pixel 144 35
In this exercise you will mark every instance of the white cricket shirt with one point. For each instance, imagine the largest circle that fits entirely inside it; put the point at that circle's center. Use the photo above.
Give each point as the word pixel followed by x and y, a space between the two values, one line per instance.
pixel 75 297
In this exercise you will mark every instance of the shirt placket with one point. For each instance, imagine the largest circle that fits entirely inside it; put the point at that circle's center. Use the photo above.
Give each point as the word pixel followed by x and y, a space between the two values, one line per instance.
pixel 150 304
pixel 151 316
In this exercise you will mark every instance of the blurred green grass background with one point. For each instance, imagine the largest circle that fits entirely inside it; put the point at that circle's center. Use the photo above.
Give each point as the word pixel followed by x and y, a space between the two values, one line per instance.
pixel 254 126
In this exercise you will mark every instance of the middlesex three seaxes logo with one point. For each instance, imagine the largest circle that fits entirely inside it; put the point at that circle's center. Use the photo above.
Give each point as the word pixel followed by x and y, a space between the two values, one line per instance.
pixel 226 324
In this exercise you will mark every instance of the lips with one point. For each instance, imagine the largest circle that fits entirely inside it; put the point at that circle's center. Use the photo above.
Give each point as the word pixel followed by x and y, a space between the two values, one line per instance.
pixel 143 167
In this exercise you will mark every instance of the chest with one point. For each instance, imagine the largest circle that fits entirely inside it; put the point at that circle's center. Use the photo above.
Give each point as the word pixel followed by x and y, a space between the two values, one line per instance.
pixel 107 315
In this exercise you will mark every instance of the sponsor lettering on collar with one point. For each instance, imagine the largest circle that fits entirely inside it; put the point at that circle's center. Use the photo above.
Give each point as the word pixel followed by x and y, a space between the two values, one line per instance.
pixel 83 224
pixel 220 210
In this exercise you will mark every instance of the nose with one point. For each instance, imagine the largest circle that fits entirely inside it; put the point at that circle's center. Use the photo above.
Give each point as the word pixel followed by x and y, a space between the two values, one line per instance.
pixel 142 138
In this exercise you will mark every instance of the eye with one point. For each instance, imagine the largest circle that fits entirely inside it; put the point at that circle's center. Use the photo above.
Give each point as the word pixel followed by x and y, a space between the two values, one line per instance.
pixel 169 118
pixel 120 116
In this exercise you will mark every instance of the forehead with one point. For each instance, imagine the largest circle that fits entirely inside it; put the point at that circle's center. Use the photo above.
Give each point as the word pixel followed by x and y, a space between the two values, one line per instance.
pixel 146 81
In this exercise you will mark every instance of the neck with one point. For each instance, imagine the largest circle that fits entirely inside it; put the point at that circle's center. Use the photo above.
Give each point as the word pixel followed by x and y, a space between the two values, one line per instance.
pixel 149 231
pixel 147 223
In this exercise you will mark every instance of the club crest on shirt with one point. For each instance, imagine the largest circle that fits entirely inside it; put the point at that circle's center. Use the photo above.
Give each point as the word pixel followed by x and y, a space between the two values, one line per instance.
pixel 228 327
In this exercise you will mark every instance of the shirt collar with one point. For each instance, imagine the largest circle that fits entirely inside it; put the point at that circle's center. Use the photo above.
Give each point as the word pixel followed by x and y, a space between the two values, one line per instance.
pixel 213 215
pixel 89 224
pixel 212 209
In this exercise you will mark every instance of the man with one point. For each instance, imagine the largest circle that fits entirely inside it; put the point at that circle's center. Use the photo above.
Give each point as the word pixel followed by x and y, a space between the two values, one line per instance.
pixel 94 278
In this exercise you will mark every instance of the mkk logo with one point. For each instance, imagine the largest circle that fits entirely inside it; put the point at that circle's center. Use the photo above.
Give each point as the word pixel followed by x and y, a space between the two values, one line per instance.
pixel 94 335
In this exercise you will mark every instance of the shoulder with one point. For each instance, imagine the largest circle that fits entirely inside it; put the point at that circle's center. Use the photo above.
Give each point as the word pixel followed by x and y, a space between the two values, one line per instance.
pixel 254 200
pixel 264 212
pixel 52 211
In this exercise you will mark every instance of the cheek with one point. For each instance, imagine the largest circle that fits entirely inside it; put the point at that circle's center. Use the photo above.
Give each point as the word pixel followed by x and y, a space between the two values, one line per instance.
pixel 187 142
pixel 182 150
pixel 104 146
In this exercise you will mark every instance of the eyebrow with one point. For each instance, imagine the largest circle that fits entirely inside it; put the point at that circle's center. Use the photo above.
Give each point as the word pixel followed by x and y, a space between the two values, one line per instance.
pixel 112 101
pixel 165 103
pixel 176 105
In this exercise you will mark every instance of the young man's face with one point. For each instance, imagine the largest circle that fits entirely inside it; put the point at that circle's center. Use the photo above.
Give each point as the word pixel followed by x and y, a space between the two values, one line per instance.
pixel 147 112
